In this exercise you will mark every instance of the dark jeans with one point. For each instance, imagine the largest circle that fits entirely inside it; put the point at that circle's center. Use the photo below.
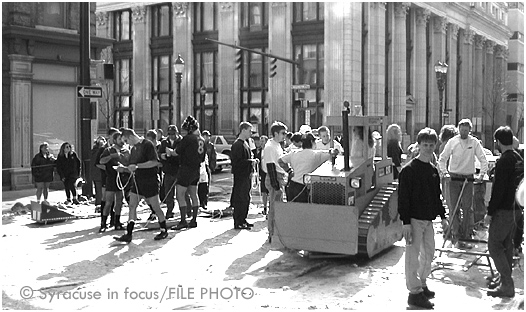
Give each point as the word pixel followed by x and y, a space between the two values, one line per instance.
pixel 202 193
pixel 500 243
pixel 241 198
pixel 69 186
pixel 297 192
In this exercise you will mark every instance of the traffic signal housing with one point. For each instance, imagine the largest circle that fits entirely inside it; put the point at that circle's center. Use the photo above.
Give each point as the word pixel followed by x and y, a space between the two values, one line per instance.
pixel 239 59
pixel 273 68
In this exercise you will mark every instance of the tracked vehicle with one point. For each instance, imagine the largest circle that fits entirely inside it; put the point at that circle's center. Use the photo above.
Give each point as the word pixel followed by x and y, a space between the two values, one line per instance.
pixel 353 206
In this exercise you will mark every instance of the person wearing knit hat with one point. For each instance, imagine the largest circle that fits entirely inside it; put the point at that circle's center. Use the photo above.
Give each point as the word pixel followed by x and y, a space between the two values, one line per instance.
pixel 191 151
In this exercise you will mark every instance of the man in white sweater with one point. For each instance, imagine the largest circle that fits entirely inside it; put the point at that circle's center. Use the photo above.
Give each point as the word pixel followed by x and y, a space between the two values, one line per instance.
pixel 461 151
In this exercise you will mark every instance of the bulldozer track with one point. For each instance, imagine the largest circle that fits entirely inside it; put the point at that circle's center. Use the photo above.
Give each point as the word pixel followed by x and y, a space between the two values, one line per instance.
pixel 370 217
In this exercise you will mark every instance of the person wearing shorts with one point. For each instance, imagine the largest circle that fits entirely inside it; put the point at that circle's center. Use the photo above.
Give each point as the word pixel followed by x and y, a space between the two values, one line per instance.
pixel 113 156
pixel 143 165
pixel 191 151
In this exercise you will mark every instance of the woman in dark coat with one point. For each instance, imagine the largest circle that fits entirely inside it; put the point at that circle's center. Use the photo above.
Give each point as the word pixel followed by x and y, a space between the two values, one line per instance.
pixel 42 167
pixel 68 167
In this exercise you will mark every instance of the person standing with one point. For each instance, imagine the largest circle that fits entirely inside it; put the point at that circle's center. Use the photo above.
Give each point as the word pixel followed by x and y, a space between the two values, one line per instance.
pixel 114 156
pixel 96 174
pixel 446 133
pixel 143 165
pixel 394 148
pixel 42 168
pixel 242 168
pixel 325 142
pixel 260 145
pixel 303 161
pixel 275 178
pixel 170 162
pixel 68 168
pixel 419 203
pixel 211 163
pixel 502 216
pixel 191 151
pixel 461 151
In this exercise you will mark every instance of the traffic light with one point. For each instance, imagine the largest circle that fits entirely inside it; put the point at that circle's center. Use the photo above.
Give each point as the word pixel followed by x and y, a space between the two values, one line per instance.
pixel 273 68
pixel 239 59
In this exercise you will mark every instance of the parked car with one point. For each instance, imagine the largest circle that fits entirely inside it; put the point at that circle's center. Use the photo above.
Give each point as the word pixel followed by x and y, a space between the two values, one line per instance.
pixel 222 161
pixel 223 143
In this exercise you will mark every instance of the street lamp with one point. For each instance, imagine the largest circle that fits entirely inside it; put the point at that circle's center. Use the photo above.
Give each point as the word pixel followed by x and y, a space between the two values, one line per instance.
pixel 202 106
pixel 441 72
pixel 178 69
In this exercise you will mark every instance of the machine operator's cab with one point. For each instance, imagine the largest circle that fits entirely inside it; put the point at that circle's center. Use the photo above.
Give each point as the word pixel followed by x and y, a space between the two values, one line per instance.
pixel 353 206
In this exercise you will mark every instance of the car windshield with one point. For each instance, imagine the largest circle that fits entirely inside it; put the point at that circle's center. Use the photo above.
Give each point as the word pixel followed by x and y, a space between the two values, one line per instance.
pixel 230 139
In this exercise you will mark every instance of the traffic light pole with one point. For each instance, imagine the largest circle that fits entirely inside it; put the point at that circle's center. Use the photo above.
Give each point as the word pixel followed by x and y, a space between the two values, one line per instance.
pixel 85 109
pixel 255 51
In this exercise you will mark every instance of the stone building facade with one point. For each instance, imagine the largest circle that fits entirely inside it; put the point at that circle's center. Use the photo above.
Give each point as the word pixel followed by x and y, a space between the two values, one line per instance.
pixel 378 56
pixel 40 72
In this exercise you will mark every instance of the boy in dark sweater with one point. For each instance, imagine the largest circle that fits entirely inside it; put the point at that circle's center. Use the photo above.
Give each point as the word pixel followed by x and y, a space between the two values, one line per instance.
pixel 502 216
pixel 419 203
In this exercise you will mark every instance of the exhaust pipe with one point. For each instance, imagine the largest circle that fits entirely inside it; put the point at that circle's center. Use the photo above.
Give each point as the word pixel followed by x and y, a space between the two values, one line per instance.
pixel 345 131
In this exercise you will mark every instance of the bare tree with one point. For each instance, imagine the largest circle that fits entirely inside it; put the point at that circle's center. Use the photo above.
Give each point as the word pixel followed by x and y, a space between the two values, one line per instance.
pixel 106 106
pixel 494 108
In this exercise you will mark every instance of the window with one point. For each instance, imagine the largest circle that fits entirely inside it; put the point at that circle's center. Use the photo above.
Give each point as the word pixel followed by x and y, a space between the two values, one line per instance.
pixel 53 14
pixel 122 25
pixel 162 20
pixel 205 106
pixel 312 73
pixel 308 11
pixel 254 89
pixel 205 16
pixel 123 94
pixel 254 15
pixel 162 88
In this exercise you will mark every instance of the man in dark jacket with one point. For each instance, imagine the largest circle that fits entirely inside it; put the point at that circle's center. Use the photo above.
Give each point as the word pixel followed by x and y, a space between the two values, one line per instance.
pixel 170 162
pixel 502 215
pixel 242 162
pixel 419 203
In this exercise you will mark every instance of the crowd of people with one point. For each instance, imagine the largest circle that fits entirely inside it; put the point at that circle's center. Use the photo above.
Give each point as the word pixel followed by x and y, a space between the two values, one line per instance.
pixel 436 174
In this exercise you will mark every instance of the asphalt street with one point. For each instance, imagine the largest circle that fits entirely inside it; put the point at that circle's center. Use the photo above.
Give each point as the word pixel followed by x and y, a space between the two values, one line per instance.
pixel 69 265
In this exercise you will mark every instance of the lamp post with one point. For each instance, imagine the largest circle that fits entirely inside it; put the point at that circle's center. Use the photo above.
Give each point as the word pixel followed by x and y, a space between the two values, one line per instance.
pixel 202 106
pixel 441 74
pixel 178 69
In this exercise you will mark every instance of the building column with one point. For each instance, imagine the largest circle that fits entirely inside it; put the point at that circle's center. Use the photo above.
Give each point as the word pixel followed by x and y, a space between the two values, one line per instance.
pixel 466 76
pixel 488 83
pixel 280 86
pixel 478 87
pixel 499 83
pixel 399 65
pixel 450 97
pixel 422 17
pixel 21 74
pixel 140 73
pixel 438 54
pixel 103 26
pixel 228 110
pixel 374 96
pixel 182 45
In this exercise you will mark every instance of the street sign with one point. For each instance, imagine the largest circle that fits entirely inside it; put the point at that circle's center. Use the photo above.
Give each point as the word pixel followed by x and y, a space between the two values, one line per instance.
pixel 89 92
pixel 445 114
pixel 301 87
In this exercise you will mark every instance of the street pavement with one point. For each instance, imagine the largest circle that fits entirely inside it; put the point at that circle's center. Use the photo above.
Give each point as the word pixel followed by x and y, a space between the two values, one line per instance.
pixel 212 267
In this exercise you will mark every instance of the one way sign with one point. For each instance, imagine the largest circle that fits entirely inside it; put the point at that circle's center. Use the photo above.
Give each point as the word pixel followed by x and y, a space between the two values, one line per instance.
pixel 89 92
